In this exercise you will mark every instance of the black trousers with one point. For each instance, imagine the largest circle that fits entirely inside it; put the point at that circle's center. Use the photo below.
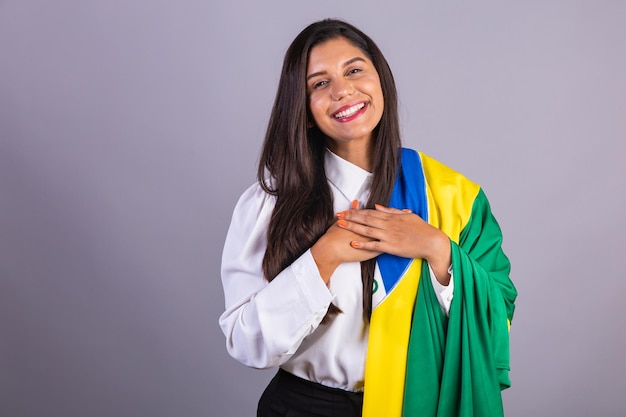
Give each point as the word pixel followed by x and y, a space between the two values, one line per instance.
pixel 290 396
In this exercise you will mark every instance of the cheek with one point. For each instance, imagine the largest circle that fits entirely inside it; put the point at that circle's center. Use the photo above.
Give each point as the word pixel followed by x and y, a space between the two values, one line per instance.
pixel 370 85
pixel 375 89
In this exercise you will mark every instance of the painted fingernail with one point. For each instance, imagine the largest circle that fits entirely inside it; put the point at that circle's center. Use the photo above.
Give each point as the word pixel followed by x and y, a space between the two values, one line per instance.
pixel 355 244
pixel 342 223
pixel 407 211
pixel 378 206
pixel 341 215
pixel 355 204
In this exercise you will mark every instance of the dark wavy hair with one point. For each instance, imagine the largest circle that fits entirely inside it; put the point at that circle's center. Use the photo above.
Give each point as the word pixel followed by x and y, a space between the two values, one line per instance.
pixel 293 156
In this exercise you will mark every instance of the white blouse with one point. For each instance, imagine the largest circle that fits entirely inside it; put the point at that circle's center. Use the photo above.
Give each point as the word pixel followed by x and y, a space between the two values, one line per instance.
pixel 277 323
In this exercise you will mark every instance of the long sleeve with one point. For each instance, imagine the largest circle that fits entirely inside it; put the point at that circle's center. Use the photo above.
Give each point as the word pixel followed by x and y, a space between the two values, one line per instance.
pixel 265 323
pixel 279 323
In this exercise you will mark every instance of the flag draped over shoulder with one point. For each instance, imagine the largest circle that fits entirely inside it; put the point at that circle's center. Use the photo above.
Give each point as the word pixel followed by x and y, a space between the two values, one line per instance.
pixel 420 362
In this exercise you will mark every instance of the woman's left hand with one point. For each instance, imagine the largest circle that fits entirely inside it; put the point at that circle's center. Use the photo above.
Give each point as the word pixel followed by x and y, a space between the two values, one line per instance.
pixel 401 233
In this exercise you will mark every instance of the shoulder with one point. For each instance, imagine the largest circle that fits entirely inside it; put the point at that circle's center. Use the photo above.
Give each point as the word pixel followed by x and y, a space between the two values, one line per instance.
pixel 254 204
pixel 450 194
pixel 254 193
pixel 439 175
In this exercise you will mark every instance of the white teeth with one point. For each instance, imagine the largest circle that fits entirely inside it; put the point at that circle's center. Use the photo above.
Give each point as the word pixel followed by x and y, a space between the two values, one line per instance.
pixel 350 111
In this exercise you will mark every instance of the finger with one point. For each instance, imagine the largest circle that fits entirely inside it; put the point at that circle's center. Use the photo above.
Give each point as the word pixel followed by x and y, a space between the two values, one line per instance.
pixel 367 231
pixel 369 217
pixel 391 210
pixel 373 246
pixel 362 215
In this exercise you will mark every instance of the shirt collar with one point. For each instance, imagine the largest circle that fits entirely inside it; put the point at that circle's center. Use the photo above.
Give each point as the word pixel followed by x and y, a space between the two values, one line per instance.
pixel 349 179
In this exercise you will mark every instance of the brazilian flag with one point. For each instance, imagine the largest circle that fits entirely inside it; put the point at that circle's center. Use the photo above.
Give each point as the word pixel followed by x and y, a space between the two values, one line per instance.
pixel 420 362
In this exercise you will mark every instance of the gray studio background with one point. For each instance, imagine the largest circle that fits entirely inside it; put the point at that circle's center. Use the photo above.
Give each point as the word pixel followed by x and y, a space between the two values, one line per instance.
pixel 128 129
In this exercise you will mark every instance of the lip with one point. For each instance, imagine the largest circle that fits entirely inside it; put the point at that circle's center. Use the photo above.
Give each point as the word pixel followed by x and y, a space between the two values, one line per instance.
pixel 352 116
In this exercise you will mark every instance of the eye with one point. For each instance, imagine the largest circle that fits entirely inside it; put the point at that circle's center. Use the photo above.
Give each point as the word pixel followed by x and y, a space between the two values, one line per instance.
pixel 354 70
pixel 319 84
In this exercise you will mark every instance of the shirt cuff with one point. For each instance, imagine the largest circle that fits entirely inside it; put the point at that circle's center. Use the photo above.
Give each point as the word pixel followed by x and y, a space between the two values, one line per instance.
pixel 444 293
pixel 313 288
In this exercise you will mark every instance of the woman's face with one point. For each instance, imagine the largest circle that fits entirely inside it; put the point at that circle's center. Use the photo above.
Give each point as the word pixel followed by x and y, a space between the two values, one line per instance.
pixel 345 96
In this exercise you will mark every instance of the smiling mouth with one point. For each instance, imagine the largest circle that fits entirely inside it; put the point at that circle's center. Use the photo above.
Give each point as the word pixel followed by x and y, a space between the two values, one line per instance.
pixel 349 111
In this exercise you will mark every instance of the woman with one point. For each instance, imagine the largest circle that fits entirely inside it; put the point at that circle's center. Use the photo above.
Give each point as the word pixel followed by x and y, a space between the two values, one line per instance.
pixel 372 275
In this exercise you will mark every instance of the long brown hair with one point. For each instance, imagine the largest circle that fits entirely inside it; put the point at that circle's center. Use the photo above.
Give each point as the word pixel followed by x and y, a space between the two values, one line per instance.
pixel 291 166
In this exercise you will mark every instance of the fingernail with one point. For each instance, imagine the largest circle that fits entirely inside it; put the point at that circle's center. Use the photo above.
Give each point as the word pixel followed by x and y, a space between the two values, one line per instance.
pixel 355 204
pixel 342 223
pixel 378 206
pixel 407 211
pixel 341 215
pixel 355 244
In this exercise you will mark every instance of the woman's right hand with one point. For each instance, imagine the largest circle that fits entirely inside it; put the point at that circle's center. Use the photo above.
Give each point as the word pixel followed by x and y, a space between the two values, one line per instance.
pixel 333 248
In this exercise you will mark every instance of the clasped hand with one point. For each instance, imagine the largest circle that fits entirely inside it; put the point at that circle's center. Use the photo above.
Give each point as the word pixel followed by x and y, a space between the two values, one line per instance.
pixel 370 232
pixel 389 230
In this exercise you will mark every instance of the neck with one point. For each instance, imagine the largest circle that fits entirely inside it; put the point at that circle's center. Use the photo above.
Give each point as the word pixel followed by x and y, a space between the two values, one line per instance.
pixel 358 154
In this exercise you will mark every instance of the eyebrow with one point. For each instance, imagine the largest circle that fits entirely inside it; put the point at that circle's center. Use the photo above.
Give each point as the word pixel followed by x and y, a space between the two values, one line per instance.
pixel 345 64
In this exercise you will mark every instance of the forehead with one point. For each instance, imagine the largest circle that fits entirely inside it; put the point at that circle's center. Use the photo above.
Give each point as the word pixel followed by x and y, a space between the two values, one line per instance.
pixel 334 52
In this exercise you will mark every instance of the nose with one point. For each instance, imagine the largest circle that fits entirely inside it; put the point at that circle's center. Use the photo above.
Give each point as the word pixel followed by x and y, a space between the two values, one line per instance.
pixel 340 89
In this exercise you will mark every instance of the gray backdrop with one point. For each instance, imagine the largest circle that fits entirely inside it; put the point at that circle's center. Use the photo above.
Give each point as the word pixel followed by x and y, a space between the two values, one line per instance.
pixel 129 128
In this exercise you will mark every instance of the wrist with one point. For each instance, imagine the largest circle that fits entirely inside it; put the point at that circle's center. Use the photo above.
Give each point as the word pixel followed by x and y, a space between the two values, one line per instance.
pixel 325 260
pixel 440 258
